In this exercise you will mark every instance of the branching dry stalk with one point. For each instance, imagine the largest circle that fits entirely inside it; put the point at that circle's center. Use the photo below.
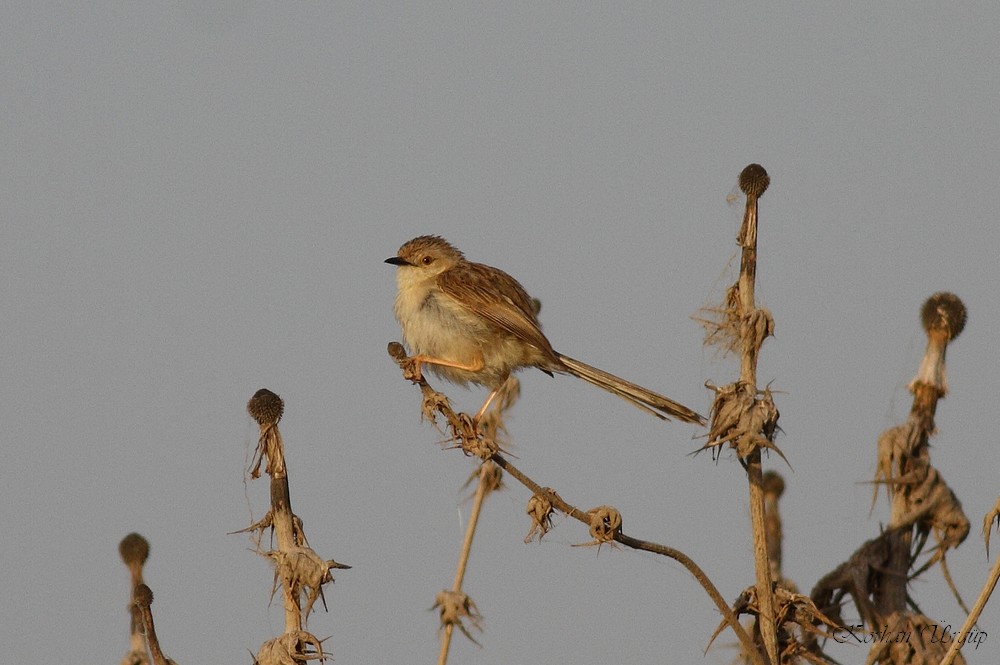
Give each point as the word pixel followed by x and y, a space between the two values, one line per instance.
pixel 877 575
pixel 455 605
pixel 301 572
pixel 134 550
pixel 604 522
pixel 743 416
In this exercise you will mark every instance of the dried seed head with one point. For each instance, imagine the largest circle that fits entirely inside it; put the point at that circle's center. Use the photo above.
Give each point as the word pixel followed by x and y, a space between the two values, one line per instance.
pixel 943 312
pixel 754 180
pixel 265 407
pixel 134 549
pixel 774 484
pixel 397 351
pixel 143 596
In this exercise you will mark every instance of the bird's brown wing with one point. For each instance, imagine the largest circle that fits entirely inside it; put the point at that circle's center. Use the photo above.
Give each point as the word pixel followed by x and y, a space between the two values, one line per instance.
pixel 497 297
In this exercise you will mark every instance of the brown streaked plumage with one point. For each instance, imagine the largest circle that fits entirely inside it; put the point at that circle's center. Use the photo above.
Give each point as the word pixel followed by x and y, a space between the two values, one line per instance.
pixel 471 323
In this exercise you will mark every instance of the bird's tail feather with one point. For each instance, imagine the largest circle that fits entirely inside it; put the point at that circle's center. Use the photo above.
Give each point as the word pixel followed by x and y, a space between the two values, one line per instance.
pixel 645 399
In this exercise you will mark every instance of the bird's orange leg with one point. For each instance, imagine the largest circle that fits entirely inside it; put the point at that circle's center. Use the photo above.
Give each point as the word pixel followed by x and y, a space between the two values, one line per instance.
pixel 486 404
pixel 417 361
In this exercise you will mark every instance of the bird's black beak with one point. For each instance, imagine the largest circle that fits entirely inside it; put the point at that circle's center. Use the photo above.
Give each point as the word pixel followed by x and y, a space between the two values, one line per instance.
pixel 397 261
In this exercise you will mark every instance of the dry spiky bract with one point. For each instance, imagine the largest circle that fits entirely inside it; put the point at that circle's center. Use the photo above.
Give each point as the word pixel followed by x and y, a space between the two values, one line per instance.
pixel 605 524
pixel 540 510
pixel 305 572
pixel 801 624
pixel 744 420
pixel 292 648
pixel 454 608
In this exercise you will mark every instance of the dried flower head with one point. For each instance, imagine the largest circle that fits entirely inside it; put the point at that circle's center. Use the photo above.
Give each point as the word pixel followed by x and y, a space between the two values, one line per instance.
pixel 754 181
pixel 134 549
pixel 265 407
pixel 943 312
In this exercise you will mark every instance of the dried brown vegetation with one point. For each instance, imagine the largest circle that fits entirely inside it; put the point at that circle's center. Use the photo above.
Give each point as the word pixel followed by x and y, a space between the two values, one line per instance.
pixel 299 571
pixel 788 627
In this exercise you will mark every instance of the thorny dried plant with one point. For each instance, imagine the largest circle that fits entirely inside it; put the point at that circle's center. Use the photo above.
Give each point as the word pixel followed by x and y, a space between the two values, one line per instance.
pixel 456 609
pixel 301 570
pixel 799 622
pixel 291 648
pixel 455 603
pixel 876 576
pixel 540 510
pixel 605 525
pixel 298 569
pixel 743 416
pixel 604 521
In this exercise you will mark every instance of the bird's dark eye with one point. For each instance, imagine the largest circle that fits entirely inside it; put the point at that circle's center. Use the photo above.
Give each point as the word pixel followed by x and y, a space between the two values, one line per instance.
pixel 427 260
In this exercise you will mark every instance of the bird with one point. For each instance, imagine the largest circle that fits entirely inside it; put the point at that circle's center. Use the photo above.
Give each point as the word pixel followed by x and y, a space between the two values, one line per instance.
pixel 473 323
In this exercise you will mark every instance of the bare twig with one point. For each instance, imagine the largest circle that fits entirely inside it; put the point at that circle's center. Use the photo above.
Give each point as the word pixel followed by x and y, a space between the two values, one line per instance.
pixel 456 604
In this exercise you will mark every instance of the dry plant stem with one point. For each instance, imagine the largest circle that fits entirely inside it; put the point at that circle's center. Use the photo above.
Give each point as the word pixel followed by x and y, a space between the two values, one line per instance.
pixel 267 408
pixel 557 502
pixel 973 617
pixel 143 601
pixel 134 550
pixel 282 519
pixel 281 511
pixel 463 559
pixel 748 375
pixel 441 405
pixel 943 317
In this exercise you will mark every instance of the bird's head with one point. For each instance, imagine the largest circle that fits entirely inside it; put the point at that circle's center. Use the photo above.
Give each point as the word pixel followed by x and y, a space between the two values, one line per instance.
pixel 426 256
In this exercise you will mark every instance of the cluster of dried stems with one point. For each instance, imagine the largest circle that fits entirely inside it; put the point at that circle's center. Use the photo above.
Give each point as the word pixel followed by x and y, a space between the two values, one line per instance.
pixel 298 569
pixel 787 627
pixel 144 647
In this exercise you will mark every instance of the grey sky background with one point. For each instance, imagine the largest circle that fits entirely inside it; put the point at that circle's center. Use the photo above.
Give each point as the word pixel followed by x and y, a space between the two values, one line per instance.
pixel 197 204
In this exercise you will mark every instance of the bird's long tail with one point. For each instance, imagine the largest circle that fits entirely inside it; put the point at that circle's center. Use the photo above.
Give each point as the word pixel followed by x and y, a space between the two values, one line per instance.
pixel 645 399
